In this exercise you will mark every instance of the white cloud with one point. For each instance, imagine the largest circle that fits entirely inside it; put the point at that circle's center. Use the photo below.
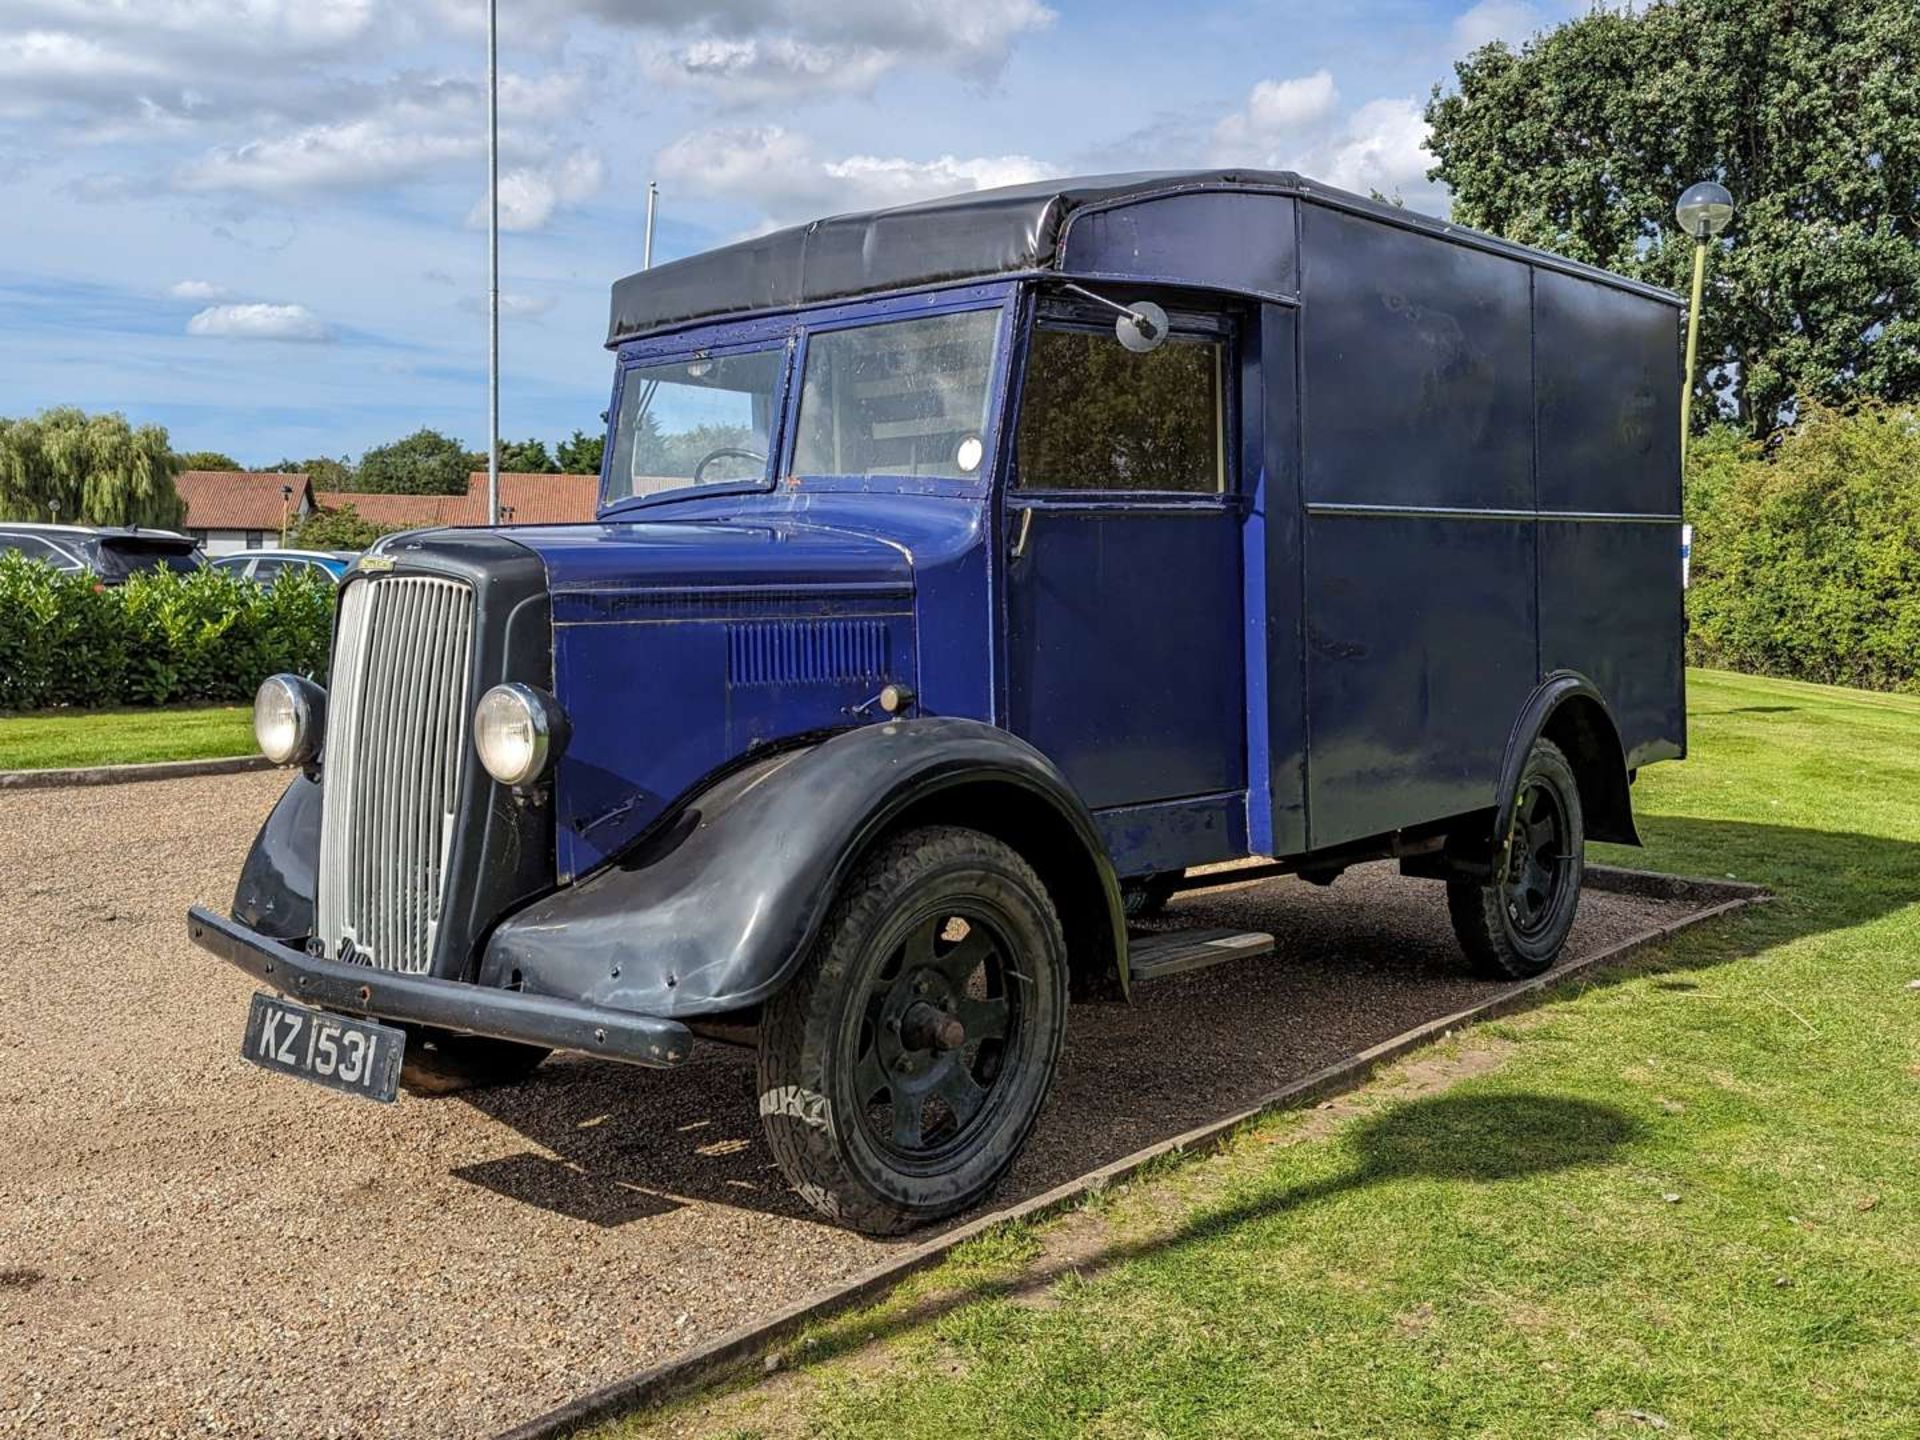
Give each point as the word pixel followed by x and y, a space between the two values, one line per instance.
pixel 1382 147
pixel 196 290
pixel 281 26
pixel 364 152
pixel 54 57
pixel 529 197
pixel 972 37
pixel 1278 109
pixel 259 322
pixel 777 170
pixel 1293 125
pixel 745 72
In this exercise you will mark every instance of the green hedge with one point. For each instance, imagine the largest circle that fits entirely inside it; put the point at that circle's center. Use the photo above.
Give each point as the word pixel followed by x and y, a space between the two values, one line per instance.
pixel 157 639
pixel 1806 552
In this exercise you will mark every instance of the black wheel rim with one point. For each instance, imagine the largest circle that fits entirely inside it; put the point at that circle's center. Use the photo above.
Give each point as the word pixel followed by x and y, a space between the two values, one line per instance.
pixel 939 1024
pixel 1538 861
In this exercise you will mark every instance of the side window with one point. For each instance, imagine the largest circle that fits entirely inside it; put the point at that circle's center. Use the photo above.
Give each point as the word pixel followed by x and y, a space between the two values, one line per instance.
pixel 1096 416
pixel 31 547
pixel 265 572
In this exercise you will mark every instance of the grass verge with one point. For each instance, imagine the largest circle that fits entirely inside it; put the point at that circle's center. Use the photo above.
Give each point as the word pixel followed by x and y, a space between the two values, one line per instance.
pixel 62 739
pixel 1680 1200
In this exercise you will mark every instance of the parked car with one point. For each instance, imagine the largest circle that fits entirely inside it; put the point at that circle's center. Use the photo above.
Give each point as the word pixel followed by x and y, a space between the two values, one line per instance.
pixel 964 570
pixel 266 566
pixel 110 555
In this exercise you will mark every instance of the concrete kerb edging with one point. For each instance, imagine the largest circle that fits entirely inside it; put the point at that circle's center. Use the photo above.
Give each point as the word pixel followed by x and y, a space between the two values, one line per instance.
pixel 677 1377
pixel 121 774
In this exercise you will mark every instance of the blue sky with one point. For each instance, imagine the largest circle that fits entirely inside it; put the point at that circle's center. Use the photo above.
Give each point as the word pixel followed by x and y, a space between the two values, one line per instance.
pixel 254 221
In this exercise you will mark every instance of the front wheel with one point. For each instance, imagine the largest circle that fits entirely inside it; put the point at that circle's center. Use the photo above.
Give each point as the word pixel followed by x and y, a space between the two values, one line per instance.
pixel 903 1068
pixel 1515 927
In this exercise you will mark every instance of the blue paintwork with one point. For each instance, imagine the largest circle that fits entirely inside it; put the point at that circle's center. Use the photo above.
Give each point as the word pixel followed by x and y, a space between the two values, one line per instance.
pixel 1338 648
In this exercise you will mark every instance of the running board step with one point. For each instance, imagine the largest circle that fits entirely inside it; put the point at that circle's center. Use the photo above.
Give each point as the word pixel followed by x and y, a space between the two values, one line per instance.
pixel 1149 957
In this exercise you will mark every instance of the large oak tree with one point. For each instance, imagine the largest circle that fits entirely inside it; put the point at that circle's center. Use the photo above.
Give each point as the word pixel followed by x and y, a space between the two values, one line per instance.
pixel 1808 110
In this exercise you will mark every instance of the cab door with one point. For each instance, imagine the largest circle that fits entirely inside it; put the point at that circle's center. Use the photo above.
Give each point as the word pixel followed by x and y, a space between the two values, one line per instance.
pixel 1124 648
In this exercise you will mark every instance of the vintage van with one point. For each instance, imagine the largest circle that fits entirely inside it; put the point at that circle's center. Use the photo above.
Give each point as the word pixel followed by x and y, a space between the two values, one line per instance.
pixel 965 573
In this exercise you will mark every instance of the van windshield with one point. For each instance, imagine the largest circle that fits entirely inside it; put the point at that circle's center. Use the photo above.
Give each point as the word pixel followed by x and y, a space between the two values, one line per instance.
pixel 903 397
pixel 695 422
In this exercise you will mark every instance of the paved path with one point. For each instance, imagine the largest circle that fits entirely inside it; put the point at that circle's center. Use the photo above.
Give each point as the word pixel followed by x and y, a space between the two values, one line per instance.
pixel 190 1246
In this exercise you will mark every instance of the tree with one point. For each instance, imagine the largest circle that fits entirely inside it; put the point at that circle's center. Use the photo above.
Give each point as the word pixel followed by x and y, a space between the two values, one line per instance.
pixel 87 470
pixel 325 474
pixel 204 460
pixel 582 453
pixel 425 463
pixel 341 528
pixel 1808 110
pixel 527 457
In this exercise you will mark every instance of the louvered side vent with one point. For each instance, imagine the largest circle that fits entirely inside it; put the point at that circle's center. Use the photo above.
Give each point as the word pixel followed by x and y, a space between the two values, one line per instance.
pixel 396 746
pixel 777 652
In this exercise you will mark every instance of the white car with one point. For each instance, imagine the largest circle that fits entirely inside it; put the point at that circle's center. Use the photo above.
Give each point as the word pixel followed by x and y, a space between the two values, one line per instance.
pixel 263 567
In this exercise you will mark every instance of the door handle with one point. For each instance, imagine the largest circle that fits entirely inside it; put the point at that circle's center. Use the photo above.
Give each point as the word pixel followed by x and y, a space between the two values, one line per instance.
pixel 1026 527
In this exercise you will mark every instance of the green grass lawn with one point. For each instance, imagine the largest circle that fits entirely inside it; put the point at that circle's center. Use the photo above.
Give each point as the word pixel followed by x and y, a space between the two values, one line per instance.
pixel 57 739
pixel 1676 1199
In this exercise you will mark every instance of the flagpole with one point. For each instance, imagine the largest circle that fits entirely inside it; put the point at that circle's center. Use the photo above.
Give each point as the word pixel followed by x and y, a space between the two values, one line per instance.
pixel 493 262
pixel 653 198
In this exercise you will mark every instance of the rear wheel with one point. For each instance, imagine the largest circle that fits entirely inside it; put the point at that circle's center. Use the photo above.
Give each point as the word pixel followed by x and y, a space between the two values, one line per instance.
pixel 903 1068
pixel 1516 926
pixel 439 1062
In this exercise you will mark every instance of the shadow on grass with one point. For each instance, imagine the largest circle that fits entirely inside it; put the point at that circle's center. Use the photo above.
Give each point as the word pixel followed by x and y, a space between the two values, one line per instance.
pixel 1472 1139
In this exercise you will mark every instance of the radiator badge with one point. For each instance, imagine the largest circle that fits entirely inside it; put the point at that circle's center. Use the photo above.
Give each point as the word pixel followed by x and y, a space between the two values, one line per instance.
pixel 376 562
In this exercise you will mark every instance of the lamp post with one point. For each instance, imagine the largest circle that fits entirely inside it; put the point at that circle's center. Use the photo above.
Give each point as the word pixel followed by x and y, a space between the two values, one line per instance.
pixel 493 262
pixel 286 506
pixel 1703 211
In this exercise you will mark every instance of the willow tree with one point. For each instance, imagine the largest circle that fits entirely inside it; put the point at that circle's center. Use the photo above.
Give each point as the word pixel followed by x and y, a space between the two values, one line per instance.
pixel 64 464
pixel 1808 110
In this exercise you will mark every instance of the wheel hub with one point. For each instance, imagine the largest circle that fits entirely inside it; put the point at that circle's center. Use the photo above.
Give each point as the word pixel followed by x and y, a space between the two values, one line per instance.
pixel 1536 858
pixel 927 1027
pixel 940 1019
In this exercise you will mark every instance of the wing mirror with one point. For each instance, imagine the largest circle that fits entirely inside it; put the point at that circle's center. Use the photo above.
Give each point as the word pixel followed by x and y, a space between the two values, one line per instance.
pixel 1141 327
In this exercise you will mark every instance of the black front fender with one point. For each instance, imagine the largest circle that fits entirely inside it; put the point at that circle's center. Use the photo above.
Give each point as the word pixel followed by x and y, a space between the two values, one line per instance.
pixel 275 894
pixel 716 907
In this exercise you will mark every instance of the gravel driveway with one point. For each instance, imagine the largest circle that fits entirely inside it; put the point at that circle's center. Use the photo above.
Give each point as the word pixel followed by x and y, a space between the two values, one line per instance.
pixel 191 1246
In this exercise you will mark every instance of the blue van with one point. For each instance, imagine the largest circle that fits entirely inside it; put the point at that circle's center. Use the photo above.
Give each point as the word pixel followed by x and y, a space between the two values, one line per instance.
pixel 965 574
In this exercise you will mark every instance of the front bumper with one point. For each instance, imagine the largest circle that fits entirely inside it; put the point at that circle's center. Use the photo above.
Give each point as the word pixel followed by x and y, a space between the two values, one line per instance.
pixel 444 1004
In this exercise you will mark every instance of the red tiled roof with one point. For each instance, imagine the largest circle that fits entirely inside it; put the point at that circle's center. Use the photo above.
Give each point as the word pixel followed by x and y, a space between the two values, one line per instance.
pixel 398 511
pixel 238 499
pixel 525 499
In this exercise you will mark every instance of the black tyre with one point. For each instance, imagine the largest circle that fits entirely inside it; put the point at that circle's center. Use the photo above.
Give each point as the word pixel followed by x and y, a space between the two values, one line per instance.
pixel 439 1062
pixel 1146 897
pixel 1515 927
pixel 904 1066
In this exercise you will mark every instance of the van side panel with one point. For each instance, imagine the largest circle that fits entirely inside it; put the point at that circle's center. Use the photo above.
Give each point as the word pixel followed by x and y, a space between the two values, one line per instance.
pixel 1419 543
pixel 1610 600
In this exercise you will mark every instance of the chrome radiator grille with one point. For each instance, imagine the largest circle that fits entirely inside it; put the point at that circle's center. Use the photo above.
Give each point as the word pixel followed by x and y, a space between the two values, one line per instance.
pixel 396 749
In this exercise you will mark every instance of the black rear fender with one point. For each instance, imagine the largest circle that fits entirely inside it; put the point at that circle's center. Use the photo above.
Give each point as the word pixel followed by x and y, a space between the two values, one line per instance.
pixel 714 909
pixel 1568 710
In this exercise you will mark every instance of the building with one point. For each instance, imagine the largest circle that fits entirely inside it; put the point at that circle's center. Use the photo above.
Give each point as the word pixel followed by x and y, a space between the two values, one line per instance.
pixel 230 510
pixel 525 499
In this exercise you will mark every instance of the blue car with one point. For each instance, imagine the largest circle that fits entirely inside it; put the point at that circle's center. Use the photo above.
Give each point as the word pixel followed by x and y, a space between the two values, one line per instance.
pixel 965 574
